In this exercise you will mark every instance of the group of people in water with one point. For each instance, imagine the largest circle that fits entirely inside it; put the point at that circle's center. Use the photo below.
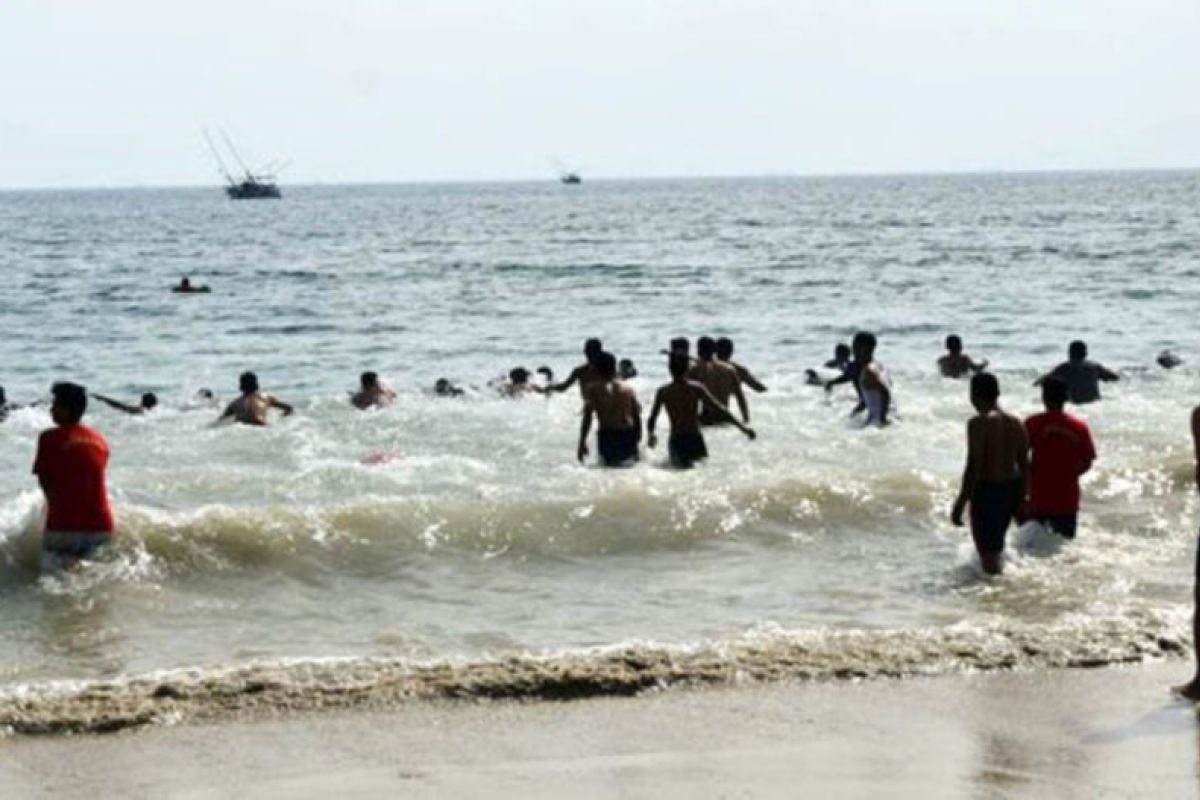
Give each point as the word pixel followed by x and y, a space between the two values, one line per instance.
pixel 1015 469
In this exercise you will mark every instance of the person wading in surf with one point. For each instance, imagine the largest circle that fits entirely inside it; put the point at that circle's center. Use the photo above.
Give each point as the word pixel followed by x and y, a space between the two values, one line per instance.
pixel 251 408
pixel 997 471
pixel 616 408
pixel 1191 689
pixel 586 373
pixel 683 398
pixel 721 380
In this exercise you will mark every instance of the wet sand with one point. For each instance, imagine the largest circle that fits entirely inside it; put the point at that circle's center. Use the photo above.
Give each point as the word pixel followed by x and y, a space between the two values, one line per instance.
pixel 1113 732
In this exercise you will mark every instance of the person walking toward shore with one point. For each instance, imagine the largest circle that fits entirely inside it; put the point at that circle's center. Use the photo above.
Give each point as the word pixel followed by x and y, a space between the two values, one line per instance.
pixel 995 476
pixel 70 465
pixel 683 398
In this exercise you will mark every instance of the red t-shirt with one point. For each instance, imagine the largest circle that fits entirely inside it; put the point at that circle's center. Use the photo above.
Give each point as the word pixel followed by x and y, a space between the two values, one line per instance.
pixel 70 462
pixel 1062 449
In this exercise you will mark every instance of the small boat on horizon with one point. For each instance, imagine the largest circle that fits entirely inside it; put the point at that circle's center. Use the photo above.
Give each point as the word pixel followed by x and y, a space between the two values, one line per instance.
pixel 570 178
pixel 251 186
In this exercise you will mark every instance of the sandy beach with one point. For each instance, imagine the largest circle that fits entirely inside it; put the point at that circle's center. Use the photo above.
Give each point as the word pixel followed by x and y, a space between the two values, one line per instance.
pixel 1113 732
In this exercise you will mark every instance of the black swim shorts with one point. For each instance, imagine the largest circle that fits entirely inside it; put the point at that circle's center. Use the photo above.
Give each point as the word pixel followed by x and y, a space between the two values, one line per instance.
pixel 1062 524
pixel 686 449
pixel 618 446
pixel 993 506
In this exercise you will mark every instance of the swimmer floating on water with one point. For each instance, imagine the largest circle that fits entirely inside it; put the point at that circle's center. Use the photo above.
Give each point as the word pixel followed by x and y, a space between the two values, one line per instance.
pixel 185 287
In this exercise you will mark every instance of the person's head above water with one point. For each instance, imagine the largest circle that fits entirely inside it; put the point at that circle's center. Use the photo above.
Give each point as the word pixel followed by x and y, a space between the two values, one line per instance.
pixel 841 352
pixel 864 346
pixel 679 364
pixel 1077 351
pixel 592 348
pixel 954 343
pixel 518 375
pixel 680 344
pixel 368 380
pixel 724 348
pixel 185 283
pixel 205 394
pixel 70 403
pixel 626 369
pixel 149 400
pixel 606 365
pixel 985 390
pixel 248 383
pixel 1055 393
pixel 706 348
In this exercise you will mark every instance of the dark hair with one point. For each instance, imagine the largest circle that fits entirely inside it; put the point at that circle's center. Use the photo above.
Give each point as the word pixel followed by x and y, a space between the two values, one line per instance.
pixel 71 398
pixel 1055 392
pixel 368 379
pixel 953 343
pixel 149 400
pixel 626 368
pixel 724 347
pixel 592 348
pixel 606 364
pixel 705 347
pixel 248 382
pixel 205 393
pixel 679 364
pixel 1077 350
pixel 985 386
pixel 518 375
pixel 842 349
pixel 865 339
pixel 3 397
pixel 680 344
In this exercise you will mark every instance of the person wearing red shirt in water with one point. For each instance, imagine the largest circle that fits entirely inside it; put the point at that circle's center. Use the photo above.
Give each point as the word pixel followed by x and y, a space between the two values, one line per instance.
pixel 1062 450
pixel 70 464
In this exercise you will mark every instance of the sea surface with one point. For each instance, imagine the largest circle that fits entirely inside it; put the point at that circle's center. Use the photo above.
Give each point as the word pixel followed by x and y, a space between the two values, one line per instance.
pixel 274 563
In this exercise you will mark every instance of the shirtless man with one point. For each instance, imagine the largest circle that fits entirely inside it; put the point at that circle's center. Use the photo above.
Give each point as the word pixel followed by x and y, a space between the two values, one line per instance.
pixel 586 373
pixel 1082 375
pixel 251 408
pixel 1191 689
pixel 956 363
pixel 148 403
pixel 725 355
pixel 721 380
pixel 683 398
pixel 874 383
pixel 616 408
pixel 997 471
pixel 371 393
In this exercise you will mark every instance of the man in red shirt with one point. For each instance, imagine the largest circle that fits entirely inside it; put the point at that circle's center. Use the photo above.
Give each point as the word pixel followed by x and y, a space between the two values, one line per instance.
pixel 1062 450
pixel 70 464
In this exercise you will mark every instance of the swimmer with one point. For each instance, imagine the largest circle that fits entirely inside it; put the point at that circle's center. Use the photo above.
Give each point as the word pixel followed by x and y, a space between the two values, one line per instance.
pixel 372 393
pixel 518 384
pixel 251 408
pixel 841 358
pixel 205 397
pixel 185 287
pixel 683 399
pixel 725 355
pixel 722 382
pixel 619 417
pixel 442 387
pixel 850 374
pixel 956 363
pixel 996 474
pixel 874 383
pixel 148 403
pixel 1168 360
pixel 586 373
pixel 626 369
pixel 1081 375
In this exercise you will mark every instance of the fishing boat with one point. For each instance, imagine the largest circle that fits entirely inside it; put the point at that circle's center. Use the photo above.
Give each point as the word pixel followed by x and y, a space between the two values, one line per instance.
pixel 259 185
pixel 570 178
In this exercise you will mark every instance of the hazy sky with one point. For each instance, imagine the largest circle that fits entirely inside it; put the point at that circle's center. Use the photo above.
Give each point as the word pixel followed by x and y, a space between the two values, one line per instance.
pixel 114 92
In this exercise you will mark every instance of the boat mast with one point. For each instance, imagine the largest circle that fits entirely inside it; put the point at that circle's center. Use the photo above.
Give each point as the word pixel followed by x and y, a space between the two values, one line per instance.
pixel 212 148
pixel 238 158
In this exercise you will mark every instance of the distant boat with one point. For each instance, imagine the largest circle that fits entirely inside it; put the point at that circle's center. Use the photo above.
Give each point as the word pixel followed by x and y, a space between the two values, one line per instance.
pixel 251 186
pixel 570 178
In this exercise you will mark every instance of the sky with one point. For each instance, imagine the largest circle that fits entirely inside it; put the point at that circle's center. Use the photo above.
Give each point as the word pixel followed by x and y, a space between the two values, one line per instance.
pixel 115 93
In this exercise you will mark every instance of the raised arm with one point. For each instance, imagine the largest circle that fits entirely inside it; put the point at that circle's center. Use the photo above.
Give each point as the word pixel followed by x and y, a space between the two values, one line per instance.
pixel 118 405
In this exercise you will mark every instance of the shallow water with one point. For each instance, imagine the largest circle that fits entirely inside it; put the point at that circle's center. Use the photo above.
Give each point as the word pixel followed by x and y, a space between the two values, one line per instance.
pixel 485 539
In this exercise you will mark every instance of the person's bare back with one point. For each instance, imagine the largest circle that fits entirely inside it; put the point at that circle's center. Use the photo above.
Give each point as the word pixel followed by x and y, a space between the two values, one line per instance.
pixel 998 444
pixel 615 404
pixel 682 400
pixel 252 406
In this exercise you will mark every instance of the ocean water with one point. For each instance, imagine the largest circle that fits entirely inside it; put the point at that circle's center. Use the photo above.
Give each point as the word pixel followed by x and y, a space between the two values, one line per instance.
pixel 276 559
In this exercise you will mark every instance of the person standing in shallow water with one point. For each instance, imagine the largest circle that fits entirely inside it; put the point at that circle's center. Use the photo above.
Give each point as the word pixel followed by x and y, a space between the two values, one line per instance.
pixel 586 373
pixel 619 414
pixel 1191 689
pixel 955 363
pixel 997 470
pixel 70 464
pixel 251 408
pixel 722 382
pixel 1081 375
pixel 1062 451
pixel 683 398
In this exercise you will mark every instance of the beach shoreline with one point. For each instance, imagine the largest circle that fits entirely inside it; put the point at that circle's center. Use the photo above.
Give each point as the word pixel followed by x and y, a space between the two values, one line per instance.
pixel 1115 731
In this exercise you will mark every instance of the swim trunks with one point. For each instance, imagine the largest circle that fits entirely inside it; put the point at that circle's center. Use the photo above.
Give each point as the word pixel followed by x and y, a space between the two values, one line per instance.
pixel 687 448
pixel 618 446
pixel 1062 524
pixel 993 505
